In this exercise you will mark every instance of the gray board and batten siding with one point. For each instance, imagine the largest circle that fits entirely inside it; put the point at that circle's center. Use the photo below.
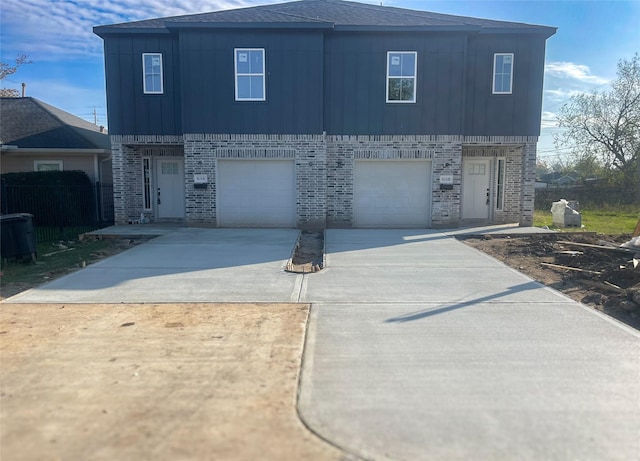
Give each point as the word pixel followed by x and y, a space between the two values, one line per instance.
pixel 355 84
pixel 294 74
pixel 130 110
pixel 516 114
pixel 324 80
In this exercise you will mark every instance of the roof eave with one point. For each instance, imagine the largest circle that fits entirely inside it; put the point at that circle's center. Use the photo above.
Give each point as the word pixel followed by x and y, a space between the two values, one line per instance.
pixel 169 27
pixel 535 30
pixel 102 31
pixel 16 150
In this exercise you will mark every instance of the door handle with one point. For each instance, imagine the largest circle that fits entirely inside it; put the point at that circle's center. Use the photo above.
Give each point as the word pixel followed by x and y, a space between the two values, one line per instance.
pixel 158 196
pixel 487 196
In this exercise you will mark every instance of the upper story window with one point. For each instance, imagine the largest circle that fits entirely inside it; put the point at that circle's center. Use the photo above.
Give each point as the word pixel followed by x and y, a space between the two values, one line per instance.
pixel 249 70
pixel 502 73
pixel 152 71
pixel 401 76
pixel 47 165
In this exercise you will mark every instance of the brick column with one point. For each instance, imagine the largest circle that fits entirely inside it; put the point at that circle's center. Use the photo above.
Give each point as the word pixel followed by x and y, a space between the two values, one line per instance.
pixel 527 195
pixel 119 181
pixel 447 160
pixel 199 158
pixel 311 181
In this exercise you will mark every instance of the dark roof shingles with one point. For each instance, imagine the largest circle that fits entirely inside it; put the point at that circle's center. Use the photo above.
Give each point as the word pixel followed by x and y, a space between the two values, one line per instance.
pixel 30 123
pixel 334 12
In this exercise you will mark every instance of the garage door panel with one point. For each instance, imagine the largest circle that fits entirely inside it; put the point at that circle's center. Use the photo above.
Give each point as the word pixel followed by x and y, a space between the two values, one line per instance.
pixel 392 193
pixel 256 193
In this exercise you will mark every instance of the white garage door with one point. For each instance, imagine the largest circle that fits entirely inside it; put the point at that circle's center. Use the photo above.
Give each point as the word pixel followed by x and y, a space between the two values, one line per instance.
pixel 392 193
pixel 256 193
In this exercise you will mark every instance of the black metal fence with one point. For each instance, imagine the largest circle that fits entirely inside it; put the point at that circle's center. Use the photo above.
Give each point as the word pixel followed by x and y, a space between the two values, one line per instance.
pixel 61 212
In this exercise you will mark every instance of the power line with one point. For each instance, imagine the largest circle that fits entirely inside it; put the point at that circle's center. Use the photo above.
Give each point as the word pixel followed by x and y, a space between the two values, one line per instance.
pixel 555 150
pixel 569 98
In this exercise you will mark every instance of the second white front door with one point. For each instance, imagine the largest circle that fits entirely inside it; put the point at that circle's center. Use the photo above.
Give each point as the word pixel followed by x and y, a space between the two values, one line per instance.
pixel 476 181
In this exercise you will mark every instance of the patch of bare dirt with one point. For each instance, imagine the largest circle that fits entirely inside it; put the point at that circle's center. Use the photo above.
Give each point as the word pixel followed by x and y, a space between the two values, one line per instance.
pixel 154 381
pixel 309 253
pixel 604 279
pixel 116 245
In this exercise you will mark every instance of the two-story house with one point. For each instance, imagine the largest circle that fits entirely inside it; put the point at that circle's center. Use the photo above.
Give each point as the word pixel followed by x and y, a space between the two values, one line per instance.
pixel 324 113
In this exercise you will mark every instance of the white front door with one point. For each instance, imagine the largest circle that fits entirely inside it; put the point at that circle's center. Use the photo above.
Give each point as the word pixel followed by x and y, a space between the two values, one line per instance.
pixel 476 180
pixel 170 187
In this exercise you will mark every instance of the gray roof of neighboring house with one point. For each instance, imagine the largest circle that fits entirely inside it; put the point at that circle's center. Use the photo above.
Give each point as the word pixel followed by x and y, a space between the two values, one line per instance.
pixel 330 14
pixel 30 123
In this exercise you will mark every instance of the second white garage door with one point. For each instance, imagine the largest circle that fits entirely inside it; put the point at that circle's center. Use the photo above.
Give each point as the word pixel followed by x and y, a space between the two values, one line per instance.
pixel 256 193
pixel 392 193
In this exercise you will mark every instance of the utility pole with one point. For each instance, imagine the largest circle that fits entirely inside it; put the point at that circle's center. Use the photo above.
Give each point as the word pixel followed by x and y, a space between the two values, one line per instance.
pixel 95 116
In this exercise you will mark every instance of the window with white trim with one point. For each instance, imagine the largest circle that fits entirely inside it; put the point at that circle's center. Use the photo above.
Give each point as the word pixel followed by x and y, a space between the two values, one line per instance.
pixel 502 73
pixel 47 165
pixel 152 73
pixel 249 74
pixel 401 76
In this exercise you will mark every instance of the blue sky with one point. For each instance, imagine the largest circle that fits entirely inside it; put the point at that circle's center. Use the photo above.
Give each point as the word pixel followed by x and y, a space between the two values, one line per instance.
pixel 67 67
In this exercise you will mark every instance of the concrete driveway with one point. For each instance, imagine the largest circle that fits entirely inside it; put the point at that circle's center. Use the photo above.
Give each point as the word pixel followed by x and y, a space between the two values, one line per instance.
pixel 421 348
pixel 418 347
pixel 185 265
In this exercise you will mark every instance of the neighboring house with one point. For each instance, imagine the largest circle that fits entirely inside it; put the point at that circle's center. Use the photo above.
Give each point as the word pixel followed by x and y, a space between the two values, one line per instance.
pixel 324 113
pixel 558 179
pixel 35 136
pixel 567 180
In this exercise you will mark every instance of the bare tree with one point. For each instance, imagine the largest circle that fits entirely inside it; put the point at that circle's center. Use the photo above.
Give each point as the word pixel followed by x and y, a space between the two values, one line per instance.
pixel 8 69
pixel 606 125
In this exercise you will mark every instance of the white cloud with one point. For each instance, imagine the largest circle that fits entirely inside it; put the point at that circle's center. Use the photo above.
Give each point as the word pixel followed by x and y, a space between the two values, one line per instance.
pixel 573 71
pixel 49 29
pixel 563 80
pixel 549 120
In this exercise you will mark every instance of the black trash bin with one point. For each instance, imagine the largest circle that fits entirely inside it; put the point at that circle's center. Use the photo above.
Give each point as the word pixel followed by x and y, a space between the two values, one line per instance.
pixel 18 238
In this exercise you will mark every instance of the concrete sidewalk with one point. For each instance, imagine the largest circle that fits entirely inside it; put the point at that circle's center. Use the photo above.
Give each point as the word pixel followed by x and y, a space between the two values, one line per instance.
pixel 422 348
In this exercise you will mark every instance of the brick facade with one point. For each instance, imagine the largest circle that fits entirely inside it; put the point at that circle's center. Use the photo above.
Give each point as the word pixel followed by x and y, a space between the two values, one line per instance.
pixel 528 193
pixel 324 170
pixel 519 153
pixel 127 155
pixel 343 151
pixel 308 152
